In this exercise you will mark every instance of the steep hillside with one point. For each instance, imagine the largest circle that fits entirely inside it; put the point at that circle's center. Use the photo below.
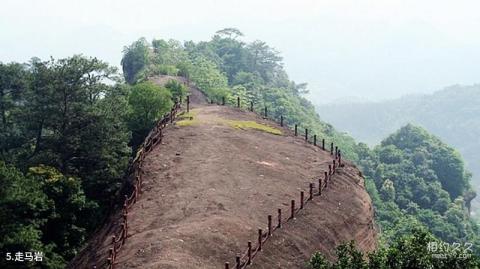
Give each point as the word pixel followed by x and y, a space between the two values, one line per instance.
pixel 213 180
pixel 452 114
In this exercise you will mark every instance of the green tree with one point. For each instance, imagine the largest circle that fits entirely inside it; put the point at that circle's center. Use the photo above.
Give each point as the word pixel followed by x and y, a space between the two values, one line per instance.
pixel 178 90
pixel 414 250
pixel 148 103
pixel 135 60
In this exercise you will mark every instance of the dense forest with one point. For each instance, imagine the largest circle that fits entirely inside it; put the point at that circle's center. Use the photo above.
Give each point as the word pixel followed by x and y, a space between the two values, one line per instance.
pixel 415 180
pixel 453 114
pixel 68 131
pixel 70 128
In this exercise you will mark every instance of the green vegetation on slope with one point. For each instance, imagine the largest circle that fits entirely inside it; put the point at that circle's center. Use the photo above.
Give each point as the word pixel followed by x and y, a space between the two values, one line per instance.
pixel 415 179
pixel 418 186
pixel 69 127
pixel 418 250
pixel 227 67
pixel 65 130
pixel 453 114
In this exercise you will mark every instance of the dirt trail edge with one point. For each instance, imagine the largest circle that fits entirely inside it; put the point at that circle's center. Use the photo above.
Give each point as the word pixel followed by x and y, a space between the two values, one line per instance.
pixel 214 179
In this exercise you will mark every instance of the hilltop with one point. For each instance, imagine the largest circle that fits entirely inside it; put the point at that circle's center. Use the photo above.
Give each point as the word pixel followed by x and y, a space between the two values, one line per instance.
pixel 214 179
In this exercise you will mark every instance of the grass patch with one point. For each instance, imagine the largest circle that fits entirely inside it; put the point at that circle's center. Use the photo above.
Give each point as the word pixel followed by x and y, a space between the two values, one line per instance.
pixel 187 119
pixel 238 124
pixel 190 115
pixel 187 122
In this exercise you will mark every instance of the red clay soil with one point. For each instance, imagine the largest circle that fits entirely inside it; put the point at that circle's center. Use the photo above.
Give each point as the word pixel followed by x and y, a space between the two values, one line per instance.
pixel 209 186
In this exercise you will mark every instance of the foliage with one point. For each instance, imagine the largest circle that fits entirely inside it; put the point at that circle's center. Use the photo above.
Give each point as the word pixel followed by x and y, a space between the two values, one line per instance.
pixel 177 89
pixel 135 59
pixel 148 103
pixel 63 152
pixel 414 179
pixel 452 114
pixel 417 249
pixel 227 67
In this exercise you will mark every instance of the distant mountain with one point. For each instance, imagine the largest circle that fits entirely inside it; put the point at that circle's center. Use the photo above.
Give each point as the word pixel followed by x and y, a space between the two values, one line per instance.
pixel 453 114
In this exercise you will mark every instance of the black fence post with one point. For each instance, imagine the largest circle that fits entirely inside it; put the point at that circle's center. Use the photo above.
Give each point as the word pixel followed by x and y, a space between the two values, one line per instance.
pixel 331 148
pixel 223 100
pixel 260 235
pixel 311 192
pixel 269 225
pixel 238 101
pixel 323 143
pixel 281 120
pixel 319 186
pixel 302 197
pixel 292 209
pixel 249 252
pixel 266 115
pixel 237 260
pixel 336 151
pixel 279 218
pixel 306 134
pixel 296 131
pixel 188 103
pixel 251 106
pixel 227 265
pixel 314 140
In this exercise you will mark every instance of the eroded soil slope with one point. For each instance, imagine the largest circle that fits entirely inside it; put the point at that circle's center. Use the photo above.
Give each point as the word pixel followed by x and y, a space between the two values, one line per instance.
pixel 211 183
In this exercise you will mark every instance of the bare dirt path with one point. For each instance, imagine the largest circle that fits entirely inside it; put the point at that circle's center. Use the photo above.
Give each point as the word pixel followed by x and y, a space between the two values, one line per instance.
pixel 209 186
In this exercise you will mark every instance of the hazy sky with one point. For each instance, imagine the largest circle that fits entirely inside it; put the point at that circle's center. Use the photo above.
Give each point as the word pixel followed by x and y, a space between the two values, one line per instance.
pixel 364 49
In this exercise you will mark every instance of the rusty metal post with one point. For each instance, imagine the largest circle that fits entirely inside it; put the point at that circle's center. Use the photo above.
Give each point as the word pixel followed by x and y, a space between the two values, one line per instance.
pixel 302 197
pixel 296 131
pixel 281 120
pixel 260 232
pixel 124 233
pixel 314 140
pixel 306 134
pixel 125 216
pixel 319 186
pixel 292 215
pixel 112 259
pixel 311 192
pixel 269 225
pixel 249 253
pixel 279 225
